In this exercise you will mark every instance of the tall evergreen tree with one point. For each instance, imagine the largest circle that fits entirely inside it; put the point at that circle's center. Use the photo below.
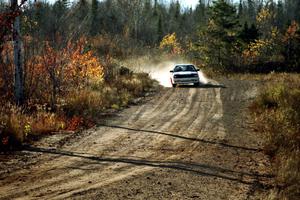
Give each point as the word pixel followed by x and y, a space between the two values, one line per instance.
pixel 177 10
pixel 159 28
pixel 60 9
pixel 155 8
pixel 249 34
pixel 251 11
pixel 82 10
pixel 297 14
pixel 240 10
pixel 225 20
pixel 280 18
pixel 222 34
pixel 94 26
pixel 200 13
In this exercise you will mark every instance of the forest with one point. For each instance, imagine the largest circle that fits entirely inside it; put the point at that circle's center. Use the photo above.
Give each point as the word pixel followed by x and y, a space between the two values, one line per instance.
pixel 227 36
pixel 254 32
pixel 59 61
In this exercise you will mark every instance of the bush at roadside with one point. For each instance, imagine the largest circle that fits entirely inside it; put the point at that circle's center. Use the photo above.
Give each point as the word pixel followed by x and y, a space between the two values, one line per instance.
pixel 78 108
pixel 277 116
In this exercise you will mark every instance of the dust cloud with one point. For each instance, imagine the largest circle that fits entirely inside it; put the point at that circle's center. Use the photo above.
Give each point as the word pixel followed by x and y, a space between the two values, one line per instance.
pixel 160 71
pixel 202 77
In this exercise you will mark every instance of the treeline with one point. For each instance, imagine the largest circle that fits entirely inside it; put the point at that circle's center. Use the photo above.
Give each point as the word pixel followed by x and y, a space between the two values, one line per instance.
pixel 144 21
pixel 251 36
pixel 245 35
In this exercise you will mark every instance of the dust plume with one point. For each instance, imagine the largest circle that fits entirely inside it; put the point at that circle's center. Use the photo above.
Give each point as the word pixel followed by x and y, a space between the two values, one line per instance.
pixel 160 71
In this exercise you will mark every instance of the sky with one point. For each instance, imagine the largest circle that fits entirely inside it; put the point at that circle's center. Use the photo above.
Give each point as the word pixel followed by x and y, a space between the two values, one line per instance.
pixel 190 3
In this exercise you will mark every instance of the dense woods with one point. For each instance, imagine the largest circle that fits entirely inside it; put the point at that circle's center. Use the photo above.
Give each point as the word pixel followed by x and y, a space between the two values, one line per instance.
pixel 259 35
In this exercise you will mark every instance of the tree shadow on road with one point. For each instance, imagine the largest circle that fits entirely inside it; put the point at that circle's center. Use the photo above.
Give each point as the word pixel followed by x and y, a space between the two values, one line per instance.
pixel 184 137
pixel 196 168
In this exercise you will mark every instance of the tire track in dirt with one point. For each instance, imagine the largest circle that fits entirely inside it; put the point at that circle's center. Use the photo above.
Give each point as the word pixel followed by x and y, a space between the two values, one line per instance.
pixel 184 111
pixel 119 138
pixel 177 128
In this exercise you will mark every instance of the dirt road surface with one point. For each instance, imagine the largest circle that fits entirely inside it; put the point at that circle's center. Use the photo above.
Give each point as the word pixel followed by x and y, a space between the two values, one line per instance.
pixel 182 143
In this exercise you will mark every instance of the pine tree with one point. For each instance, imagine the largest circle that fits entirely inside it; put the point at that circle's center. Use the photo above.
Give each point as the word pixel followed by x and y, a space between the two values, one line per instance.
pixel 159 28
pixel 244 32
pixel 251 11
pixel 297 14
pixel 249 34
pixel 280 20
pixel 155 8
pixel 225 20
pixel 82 10
pixel 177 10
pixel 60 9
pixel 94 28
pixel 240 10
pixel 222 33
pixel 200 13
pixel 253 33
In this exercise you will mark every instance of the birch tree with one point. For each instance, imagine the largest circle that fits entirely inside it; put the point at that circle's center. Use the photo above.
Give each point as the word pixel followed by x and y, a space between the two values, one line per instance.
pixel 18 79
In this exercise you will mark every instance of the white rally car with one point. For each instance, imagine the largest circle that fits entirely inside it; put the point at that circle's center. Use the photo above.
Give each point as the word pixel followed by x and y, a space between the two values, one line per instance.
pixel 184 74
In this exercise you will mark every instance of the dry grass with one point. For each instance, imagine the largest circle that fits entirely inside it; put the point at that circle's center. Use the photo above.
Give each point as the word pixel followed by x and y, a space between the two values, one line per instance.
pixel 277 115
pixel 113 95
pixel 16 125
pixel 79 107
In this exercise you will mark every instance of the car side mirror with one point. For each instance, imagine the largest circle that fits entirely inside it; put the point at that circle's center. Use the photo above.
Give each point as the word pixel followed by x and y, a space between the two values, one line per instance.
pixel 172 71
pixel 198 70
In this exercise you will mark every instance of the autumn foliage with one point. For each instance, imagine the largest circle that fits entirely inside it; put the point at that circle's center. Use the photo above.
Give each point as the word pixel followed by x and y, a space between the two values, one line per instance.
pixel 65 88
pixel 170 44
pixel 62 70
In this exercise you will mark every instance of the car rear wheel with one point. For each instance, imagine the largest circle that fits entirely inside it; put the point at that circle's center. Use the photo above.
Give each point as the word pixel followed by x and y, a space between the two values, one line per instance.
pixel 173 85
pixel 197 84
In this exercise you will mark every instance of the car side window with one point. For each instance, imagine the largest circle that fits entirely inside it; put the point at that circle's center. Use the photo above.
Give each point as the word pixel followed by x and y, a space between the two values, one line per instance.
pixel 190 68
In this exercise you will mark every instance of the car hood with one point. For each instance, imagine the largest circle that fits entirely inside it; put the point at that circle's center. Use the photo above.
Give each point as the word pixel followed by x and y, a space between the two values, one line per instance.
pixel 185 73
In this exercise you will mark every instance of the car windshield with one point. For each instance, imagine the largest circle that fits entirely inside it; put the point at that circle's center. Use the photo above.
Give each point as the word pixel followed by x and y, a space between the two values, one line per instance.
pixel 184 68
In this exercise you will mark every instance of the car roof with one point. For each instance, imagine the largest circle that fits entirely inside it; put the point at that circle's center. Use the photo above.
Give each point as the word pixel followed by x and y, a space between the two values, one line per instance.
pixel 184 64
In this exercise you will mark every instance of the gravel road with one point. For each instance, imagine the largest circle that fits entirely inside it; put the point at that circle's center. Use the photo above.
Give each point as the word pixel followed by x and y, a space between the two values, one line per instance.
pixel 181 143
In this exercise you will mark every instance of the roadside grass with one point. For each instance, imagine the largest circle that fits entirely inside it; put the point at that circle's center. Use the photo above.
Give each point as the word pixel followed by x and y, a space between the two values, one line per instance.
pixel 79 108
pixel 114 95
pixel 17 125
pixel 277 115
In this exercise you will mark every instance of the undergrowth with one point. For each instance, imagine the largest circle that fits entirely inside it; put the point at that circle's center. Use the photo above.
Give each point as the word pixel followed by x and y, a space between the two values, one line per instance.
pixel 79 108
pixel 17 124
pixel 277 115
